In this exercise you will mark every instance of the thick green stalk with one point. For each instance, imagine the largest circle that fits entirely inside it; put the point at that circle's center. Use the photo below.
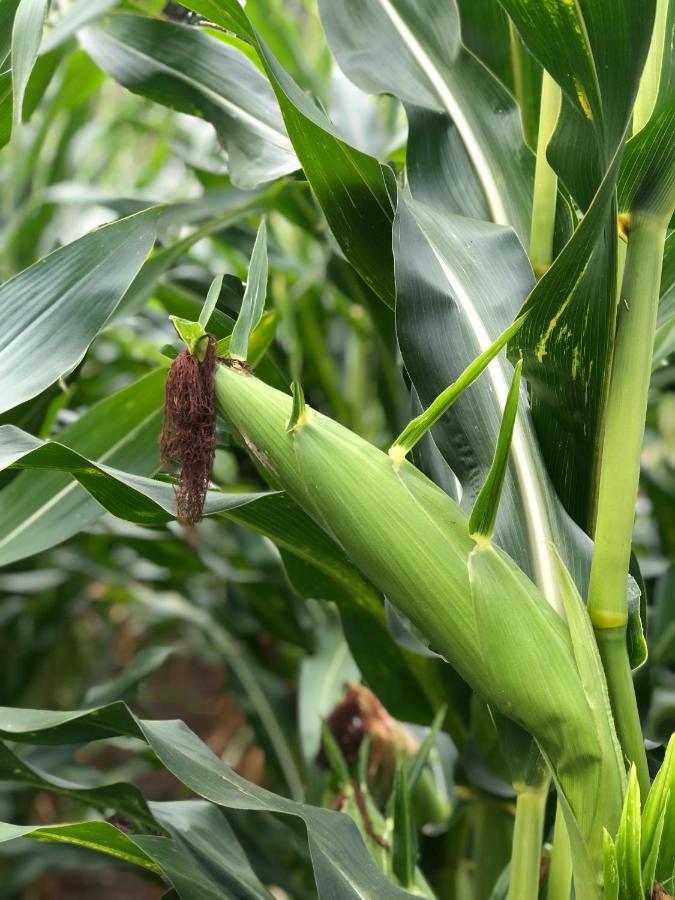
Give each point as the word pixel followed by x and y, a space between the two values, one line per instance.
pixel 620 472
pixel 526 854
pixel 559 883
pixel 545 181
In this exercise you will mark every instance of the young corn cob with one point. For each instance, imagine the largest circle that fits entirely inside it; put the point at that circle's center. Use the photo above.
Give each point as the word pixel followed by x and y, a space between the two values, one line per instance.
pixel 471 601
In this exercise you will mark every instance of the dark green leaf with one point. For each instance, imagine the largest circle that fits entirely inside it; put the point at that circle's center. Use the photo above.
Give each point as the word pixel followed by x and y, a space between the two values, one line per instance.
pixel 192 72
pixel 342 865
pixel 94 835
pixel 205 853
pixel 131 497
pixel 414 51
pixel 40 509
pixel 54 309
pixel 125 799
pixel 446 269
pixel 403 843
pixel 349 185
pixel 484 513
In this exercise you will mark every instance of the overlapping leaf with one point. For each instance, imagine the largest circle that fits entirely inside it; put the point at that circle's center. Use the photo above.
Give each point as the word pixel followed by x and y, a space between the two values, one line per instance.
pixel 448 313
pixel 192 72
pixel 349 185
pixel 647 177
pixel 131 497
pixel 342 865
pixel 472 126
pixel 39 509
pixel 567 341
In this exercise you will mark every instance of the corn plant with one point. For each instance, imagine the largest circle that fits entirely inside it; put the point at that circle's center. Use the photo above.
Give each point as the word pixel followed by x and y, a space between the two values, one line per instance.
pixel 402 309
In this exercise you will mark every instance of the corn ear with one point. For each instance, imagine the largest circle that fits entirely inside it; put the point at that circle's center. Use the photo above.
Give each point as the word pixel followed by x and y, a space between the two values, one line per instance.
pixel 478 609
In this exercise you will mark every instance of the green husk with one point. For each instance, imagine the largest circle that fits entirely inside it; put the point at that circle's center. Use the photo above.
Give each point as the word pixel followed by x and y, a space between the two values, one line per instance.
pixel 480 612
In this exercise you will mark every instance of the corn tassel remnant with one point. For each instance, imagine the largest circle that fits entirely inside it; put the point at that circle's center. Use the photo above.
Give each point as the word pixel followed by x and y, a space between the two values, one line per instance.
pixel 189 429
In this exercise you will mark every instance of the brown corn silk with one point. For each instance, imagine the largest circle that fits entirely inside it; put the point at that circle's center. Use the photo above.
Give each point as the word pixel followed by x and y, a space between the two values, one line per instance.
pixel 189 429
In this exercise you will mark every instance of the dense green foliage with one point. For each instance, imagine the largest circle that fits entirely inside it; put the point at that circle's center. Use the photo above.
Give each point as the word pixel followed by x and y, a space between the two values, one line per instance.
pixel 362 674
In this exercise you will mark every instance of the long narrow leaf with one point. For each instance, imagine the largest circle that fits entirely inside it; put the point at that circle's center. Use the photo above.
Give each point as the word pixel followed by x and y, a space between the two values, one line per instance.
pixel 53 310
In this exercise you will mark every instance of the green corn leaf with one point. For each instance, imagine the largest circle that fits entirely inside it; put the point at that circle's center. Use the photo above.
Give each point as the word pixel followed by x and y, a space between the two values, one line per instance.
pixel 628 843
pixel 660 805
pixel 349 185
pixel 192 334
pixel 635 635
pixel 29 22
pixel 94 835
pixel 611 868
pixel 131 497
pixel 342 865
pixel 335 756
pixel 298 412
pixel 7 12
pixel 651 854
pixel 598 68
pixel 403 842
pixel 484 513
pixel 253 303
pixel 211 301
pixel 419 761
pixel 414 51
pixel 202 838
pixel 564 363
pixel 204 861
pixel 47 329
pixel 195 73
pixel 125 799
pixel 647 177
pixel 447 315
pixel 40 509
pixel 72 19
pixel 420 425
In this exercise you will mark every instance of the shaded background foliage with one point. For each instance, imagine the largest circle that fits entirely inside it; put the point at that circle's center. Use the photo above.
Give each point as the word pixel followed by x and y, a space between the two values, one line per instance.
pixel 219 627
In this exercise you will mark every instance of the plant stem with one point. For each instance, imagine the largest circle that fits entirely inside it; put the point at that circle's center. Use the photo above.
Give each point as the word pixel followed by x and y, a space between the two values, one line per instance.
pixel 492 839
pixel 545 181
pixel 615 661
pixel 620 472
pixel 560 872
pixel 527 840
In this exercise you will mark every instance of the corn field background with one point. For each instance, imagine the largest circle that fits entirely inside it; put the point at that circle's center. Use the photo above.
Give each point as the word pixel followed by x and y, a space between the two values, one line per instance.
pixel 337 444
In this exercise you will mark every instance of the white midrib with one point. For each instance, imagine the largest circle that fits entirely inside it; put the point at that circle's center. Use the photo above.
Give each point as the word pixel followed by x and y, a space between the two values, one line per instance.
pixel 73 484
pixel 537 518
pixel 455 112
